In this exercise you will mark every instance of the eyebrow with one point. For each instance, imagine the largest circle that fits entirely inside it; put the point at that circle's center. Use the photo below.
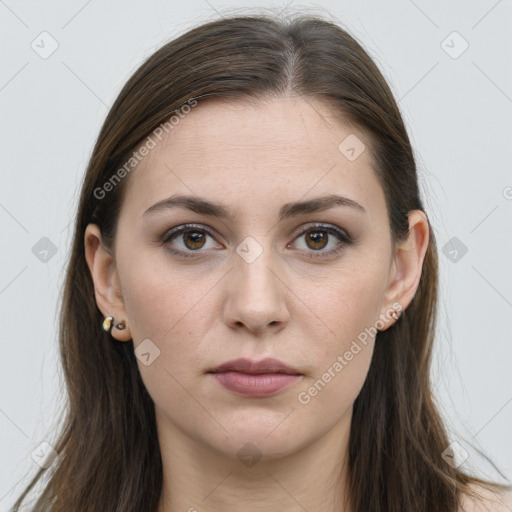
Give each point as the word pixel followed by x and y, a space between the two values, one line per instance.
pixel 204 207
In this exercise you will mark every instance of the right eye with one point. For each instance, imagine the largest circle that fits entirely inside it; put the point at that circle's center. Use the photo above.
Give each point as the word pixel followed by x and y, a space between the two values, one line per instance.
pixel 190 239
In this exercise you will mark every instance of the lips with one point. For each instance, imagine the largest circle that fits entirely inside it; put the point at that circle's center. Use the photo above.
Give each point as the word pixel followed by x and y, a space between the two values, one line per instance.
pixel 268 365
pixel 255 379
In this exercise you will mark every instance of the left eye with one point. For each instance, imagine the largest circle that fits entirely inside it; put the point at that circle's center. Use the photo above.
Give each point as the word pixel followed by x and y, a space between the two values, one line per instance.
pixel 317 238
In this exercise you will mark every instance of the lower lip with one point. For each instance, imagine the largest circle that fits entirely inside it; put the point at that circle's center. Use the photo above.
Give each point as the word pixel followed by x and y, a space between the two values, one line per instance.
pixel 264 384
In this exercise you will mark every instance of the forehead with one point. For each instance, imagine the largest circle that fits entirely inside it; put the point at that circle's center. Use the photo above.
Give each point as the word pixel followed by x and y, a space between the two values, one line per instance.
pixel 280 149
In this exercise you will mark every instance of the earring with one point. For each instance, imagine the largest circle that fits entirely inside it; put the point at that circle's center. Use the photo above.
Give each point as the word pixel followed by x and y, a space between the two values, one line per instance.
pixel 395 315
pixel 107 324
pixel 121 325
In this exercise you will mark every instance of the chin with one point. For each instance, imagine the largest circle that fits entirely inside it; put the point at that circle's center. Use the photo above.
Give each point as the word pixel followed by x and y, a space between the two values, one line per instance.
pixel 261 441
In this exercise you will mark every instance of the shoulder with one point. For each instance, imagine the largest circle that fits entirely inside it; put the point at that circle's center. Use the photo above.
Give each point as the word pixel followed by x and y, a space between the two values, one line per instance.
pixel 486 500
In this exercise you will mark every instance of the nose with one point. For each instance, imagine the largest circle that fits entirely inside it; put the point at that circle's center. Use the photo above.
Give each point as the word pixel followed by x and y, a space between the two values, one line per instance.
pixel 256 296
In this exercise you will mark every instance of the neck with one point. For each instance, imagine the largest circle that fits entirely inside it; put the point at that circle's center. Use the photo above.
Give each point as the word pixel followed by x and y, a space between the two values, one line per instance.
pixel 197 478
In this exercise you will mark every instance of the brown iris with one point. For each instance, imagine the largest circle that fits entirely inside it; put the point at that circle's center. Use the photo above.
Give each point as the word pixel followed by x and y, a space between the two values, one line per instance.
pixel 317 238
pixel 195 238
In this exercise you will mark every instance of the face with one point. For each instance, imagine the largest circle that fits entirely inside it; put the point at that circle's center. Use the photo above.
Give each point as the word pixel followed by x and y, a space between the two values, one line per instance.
pixel 268 279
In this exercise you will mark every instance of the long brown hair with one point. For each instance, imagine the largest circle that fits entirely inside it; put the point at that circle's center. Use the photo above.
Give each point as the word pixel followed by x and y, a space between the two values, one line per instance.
pixel 109 456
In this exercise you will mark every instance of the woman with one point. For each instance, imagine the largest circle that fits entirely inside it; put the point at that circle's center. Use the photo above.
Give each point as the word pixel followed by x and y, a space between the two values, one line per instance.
pixel 250 303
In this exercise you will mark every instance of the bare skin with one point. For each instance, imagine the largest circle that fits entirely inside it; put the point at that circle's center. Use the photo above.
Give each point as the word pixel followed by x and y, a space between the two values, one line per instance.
pixel 486 501
pixel 299 301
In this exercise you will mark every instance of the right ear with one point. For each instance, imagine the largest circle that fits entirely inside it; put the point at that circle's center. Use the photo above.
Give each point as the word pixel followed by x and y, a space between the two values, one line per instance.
pixel 106 280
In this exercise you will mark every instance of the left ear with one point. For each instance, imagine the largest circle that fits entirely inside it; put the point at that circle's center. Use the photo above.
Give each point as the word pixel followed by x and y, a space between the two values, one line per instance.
pixel 406 268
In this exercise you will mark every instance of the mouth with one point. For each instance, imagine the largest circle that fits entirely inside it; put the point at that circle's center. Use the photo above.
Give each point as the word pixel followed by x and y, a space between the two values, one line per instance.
pixel 256 379
pixel 249 367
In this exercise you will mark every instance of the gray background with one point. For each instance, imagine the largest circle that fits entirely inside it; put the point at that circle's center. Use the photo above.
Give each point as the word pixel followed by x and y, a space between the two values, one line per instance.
pixel 456 105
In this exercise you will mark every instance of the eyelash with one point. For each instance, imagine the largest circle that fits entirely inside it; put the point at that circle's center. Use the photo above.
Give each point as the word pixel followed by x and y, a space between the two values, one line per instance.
pixel 340 234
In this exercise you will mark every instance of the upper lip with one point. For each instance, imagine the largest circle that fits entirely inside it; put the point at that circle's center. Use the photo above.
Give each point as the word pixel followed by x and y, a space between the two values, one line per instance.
pixel 268 365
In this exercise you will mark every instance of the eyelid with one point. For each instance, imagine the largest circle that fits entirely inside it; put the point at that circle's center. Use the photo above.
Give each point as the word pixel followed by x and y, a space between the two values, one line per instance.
pixel 179 230
pixel 189 225
pixel 327 227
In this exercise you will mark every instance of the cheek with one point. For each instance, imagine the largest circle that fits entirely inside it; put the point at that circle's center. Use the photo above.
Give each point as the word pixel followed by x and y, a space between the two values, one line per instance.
pixel 341 358
pixel 349 306
pixel 169 309
pixel 173 309
pixel 162 298
pixel 342 363
pixel 349 303
pixel 336 386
